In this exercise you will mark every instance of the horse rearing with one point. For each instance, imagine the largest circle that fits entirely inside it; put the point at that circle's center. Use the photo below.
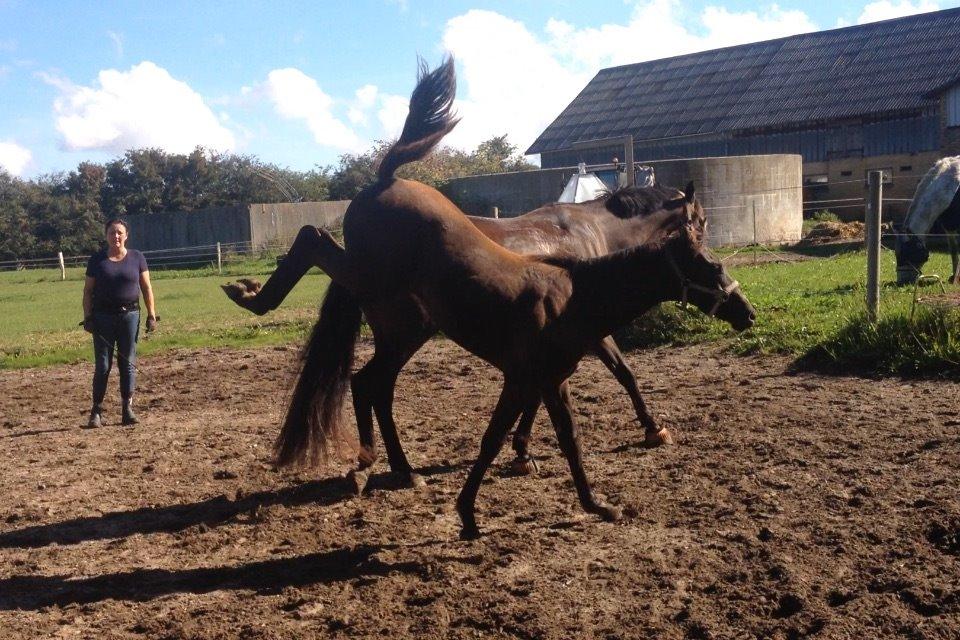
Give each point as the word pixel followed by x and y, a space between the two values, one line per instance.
pixel 534 319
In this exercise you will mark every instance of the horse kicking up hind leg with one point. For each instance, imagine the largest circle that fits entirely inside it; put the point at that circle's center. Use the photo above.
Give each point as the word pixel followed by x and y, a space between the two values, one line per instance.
pixel 312 247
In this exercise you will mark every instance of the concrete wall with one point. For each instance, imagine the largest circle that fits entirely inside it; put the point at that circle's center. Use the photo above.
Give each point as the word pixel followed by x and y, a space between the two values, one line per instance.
pixel 278 223
pixel 257 224
pixel 773 180
pixel 742 195
pixel 154 231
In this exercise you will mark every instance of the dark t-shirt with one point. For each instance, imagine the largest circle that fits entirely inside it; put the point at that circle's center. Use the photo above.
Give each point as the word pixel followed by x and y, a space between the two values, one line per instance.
pixel 116 282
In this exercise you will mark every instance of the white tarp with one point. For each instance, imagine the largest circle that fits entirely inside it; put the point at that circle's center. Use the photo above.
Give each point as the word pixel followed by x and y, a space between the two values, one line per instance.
pixel 583 187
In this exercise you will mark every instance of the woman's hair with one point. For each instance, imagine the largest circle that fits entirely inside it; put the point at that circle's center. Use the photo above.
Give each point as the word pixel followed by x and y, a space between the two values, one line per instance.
pixel 111 221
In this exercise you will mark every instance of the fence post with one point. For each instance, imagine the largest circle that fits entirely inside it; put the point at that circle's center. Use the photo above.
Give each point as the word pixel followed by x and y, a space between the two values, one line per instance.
pixel 874 199
pixel 496 212
pixel 219 260
pixel 628 159
pixel 756 246
pixel 63 268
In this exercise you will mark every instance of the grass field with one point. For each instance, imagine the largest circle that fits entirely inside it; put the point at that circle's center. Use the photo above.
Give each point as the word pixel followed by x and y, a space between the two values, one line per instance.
pixel 812 307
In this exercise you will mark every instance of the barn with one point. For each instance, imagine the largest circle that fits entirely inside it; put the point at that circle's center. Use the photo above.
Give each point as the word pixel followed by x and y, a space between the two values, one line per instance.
pixel 884 95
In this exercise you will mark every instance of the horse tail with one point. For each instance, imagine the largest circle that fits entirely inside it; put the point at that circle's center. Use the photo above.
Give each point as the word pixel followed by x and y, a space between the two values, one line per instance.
pixel 430 117
pixel 313 426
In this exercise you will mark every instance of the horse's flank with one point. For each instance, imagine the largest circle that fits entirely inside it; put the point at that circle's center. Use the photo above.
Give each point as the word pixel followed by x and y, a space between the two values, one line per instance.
pixel 933 196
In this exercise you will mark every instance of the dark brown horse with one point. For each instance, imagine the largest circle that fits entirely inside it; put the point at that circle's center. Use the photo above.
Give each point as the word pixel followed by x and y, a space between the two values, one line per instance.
pixel 626 218
pixel 533 319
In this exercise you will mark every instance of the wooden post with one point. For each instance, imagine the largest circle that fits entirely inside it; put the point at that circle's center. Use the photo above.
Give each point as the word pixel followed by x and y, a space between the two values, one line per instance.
pixel 219 260
pixel 755 245
pixel 63 268
pixel 628 159
pixel 874 199
pixel 496 212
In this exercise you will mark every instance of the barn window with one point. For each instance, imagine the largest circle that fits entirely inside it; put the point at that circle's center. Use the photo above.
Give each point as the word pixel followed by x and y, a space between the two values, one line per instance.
pixel 886 171
pixel 953 107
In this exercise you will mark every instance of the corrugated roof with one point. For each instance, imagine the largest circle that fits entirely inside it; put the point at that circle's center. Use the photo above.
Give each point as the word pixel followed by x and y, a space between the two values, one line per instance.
pixel 868 69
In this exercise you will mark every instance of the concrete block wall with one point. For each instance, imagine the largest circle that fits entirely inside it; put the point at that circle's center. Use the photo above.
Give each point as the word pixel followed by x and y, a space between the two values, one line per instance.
pixel 773 180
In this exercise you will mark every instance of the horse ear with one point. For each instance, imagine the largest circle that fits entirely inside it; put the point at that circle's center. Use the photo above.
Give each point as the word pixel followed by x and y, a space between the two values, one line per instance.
pixel 690 192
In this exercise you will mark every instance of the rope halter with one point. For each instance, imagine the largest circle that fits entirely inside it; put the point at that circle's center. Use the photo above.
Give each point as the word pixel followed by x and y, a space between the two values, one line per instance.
pixel 720 294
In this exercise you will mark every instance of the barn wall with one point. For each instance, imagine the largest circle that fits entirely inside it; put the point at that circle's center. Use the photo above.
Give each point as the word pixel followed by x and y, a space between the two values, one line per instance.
pixel 771 182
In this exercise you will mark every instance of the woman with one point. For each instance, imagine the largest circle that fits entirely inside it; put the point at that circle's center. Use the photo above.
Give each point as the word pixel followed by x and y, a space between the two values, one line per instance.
pixel 116 276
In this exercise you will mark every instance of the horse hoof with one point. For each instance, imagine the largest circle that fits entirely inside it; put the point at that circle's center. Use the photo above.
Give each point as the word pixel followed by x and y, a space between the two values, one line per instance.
pixel 659 438
pixel 528 467
pixel 469 533
pixel 359 480
pixel 413 481
pixel 609 513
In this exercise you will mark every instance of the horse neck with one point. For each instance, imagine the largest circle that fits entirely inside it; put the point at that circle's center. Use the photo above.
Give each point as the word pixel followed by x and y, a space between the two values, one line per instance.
pixel 615 289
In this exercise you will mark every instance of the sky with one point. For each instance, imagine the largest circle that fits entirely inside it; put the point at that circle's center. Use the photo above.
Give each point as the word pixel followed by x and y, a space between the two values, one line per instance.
pixel 298 84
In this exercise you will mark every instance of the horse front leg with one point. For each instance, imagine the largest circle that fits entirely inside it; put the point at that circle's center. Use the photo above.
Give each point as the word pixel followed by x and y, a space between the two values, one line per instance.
pixel 513 398
pixel 312 247
pixel 611 356
pixel 954 241
pixel 560 407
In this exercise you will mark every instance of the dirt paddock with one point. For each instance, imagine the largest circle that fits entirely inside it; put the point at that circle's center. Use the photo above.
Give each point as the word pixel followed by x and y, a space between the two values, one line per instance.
pixel 790 506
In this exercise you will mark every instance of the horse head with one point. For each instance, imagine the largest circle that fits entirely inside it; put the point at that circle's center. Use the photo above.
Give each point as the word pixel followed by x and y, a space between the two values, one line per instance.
pixel 911 253
pixel 702 277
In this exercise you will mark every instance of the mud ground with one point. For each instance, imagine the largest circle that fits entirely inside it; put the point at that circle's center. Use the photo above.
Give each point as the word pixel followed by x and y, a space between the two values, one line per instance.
pixel 791 506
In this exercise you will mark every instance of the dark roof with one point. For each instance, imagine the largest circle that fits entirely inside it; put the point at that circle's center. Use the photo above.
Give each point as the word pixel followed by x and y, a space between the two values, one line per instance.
pixel 876 68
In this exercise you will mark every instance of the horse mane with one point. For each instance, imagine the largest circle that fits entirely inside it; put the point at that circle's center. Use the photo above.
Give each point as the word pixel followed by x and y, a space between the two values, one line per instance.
pixel 430 118
pixel 632 201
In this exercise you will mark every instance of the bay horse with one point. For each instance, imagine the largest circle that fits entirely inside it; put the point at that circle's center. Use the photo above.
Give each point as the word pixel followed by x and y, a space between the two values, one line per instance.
pixel 935 207
pixel 532 318
pixel 627 217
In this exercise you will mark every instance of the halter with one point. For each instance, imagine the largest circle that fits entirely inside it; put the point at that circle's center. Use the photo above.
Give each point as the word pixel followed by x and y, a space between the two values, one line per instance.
pixel 719 294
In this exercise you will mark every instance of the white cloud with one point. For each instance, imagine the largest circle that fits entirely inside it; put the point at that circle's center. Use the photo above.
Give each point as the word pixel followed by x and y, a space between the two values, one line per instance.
pixel 364 99
pixel 14 158
pixel 498 95
pixel 392 114
pixel 117 41
pixel 297 96
pixel 885 9
pixel 143 107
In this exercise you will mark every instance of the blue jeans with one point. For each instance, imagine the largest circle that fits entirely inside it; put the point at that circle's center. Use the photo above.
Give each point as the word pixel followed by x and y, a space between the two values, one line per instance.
pixel 120 331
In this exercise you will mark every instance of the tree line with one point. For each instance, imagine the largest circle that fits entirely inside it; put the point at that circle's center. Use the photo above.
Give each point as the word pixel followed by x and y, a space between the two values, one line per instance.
pixel 66 211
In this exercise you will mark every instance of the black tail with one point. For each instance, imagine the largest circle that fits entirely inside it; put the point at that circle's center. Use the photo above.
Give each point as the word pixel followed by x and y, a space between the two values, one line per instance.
pixel 313 424
pixel 430 118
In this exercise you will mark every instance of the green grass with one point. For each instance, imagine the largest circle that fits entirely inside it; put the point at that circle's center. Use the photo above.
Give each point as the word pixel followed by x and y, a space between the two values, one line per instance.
pixel 812 310
pixel 41 314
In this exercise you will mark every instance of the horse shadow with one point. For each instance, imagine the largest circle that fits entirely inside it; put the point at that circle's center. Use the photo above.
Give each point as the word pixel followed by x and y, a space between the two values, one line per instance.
pixel 211 512
pixel 266 577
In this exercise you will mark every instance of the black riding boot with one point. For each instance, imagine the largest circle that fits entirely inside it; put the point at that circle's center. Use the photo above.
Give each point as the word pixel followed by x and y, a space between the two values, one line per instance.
pixel 129 417
pixel 96 420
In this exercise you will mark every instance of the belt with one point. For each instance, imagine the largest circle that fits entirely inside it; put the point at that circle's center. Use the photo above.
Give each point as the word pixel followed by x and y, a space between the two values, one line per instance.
pixel 116 307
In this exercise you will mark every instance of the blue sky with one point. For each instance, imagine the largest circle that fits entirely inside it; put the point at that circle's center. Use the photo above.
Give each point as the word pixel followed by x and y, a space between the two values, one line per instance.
pixel 300 83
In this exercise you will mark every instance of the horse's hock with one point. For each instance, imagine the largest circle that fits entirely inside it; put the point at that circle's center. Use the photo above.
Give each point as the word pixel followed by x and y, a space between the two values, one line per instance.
pixel 747 198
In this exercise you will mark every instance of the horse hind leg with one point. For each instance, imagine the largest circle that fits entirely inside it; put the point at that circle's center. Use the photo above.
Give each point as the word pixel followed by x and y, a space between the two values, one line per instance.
pixel 560 406
pixel 524 464
pixel 312 247
pixel 611 356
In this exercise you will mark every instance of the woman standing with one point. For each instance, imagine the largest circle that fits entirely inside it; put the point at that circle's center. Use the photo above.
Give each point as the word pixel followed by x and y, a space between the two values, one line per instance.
pixel 116 276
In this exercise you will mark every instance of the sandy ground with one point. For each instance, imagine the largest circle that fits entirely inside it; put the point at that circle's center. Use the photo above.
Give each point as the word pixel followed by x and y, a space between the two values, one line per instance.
pixel 790 506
